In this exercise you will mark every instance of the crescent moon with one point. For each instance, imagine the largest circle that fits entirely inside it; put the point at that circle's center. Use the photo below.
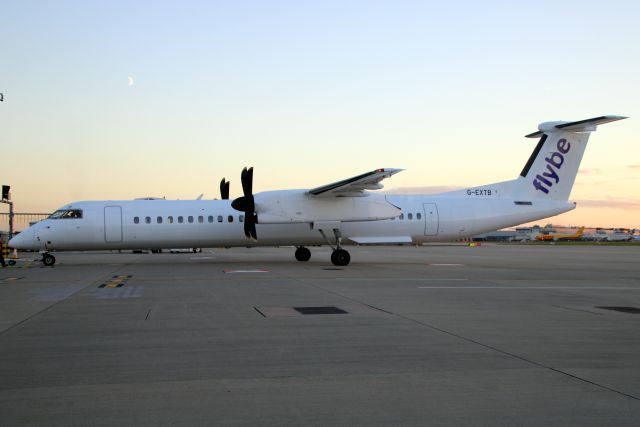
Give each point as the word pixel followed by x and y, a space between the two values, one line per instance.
pixel 130 81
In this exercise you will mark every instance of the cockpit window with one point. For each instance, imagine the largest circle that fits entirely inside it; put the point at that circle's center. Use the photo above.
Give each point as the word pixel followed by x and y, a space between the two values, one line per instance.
pixel 66 214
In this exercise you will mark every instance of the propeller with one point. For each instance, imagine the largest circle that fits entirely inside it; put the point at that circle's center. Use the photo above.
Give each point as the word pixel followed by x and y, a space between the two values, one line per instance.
pixel 224 189
pixel 246 204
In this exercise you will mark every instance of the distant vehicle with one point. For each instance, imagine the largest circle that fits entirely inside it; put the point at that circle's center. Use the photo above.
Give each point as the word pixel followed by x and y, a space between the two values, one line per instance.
pixel 619 236
pixel 560 237
pixel 599 235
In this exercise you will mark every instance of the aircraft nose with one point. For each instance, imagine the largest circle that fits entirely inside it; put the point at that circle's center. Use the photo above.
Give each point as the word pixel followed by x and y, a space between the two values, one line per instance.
pixel 23 241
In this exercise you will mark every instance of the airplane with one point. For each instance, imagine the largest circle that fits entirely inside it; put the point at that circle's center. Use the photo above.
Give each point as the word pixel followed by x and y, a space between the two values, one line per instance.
pixel 619 235
pixel 559 237
pixel 342 213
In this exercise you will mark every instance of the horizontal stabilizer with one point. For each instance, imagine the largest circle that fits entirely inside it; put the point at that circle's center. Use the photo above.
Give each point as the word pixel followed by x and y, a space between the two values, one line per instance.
pixel 587 125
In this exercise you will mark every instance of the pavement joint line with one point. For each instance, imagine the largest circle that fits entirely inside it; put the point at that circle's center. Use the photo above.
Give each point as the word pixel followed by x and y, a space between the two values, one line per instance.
pixel 409 279
pixel 49 307
pixel 577 309
pixel 524 359
pixel 470 340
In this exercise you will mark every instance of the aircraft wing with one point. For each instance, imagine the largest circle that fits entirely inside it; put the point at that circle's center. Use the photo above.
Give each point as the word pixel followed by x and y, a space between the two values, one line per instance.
pixel 354 187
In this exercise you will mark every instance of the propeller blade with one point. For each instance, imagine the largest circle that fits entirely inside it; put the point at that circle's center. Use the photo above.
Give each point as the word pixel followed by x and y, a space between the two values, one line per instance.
pixel 246 204
pixel 224 189
pixel 247 181
pixel 250 227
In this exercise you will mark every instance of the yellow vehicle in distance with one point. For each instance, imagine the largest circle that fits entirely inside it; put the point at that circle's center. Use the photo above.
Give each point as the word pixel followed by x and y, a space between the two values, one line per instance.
pixel 560 237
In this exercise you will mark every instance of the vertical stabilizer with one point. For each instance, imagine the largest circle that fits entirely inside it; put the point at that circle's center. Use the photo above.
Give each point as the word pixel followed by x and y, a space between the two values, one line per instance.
pixel 552 168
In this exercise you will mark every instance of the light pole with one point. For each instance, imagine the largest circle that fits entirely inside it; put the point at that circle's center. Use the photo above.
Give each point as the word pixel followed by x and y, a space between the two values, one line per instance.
pixel 6 198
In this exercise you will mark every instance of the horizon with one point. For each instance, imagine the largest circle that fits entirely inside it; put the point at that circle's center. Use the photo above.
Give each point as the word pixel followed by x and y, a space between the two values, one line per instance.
pixel 120 100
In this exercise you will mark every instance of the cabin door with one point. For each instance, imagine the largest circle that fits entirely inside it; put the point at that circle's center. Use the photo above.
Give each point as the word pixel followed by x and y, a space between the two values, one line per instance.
pixel 112 224
pixel 430 219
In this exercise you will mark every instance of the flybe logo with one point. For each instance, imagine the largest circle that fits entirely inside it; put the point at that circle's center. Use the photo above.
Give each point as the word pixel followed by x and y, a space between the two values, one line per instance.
pixel 555 161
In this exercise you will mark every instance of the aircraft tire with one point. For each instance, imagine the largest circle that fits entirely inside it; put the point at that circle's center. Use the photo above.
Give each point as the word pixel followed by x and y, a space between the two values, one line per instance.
pixel 48 260
pixel 340 257
pixel 303 254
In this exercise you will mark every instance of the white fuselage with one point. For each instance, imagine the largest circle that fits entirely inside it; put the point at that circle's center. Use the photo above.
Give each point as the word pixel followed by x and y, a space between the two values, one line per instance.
pixel 212 223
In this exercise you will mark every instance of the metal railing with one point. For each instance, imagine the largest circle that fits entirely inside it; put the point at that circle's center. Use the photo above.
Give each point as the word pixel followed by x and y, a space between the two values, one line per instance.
pixel 22 219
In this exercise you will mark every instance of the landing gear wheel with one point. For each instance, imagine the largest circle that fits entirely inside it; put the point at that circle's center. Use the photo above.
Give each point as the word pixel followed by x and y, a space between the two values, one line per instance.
pixel 48 260
pixel 11 262
pixel 340 257
pixel 303 254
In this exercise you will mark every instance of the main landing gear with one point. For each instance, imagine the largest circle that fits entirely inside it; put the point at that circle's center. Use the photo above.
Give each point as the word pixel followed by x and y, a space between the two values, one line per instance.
pixel 303 254
pixel 48 259
pixel 339 256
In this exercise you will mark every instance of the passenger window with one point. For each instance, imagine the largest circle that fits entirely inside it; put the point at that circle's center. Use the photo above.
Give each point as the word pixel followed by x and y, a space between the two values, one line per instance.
pixel 136 220
pixel 170 219
pixel 230 218
pixel 410 216
pixel 219 218
pixel 190 219
pixel 159 219
pixel 401 216
pixel 180 219
pixel 200 219
pixel 241 218
pixel 210 218
pixel 418 215
pixel 147 219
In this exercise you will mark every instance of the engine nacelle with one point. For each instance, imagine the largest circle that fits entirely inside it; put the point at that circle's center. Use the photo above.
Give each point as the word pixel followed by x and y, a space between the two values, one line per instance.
pixel 284 207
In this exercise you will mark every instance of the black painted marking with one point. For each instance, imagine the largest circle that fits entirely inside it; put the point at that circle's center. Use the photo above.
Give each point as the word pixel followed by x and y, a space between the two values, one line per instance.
pixel 632 310
pixel 526 168
pixel 147 316
pixel 258 310
pixel 579 122
pixel 523 203
pixel 333 269
pixel 319 310
pixel 329 187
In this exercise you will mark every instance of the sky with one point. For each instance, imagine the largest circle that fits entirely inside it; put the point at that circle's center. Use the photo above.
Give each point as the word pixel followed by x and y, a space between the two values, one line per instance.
pixel 121 99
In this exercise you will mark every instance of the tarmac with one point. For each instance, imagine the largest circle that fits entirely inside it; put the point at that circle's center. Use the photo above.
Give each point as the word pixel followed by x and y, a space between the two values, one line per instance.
pixel 437 335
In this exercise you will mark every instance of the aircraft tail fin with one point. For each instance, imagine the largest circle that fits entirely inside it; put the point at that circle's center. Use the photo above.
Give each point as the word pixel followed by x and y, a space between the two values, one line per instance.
pixel 552 168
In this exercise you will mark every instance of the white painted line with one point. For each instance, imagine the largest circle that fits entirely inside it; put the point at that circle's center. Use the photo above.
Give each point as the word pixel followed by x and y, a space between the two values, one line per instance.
pixel 450 265
pixel 245 271
pixel 202 257
pixel 527 287
pixel 396 279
